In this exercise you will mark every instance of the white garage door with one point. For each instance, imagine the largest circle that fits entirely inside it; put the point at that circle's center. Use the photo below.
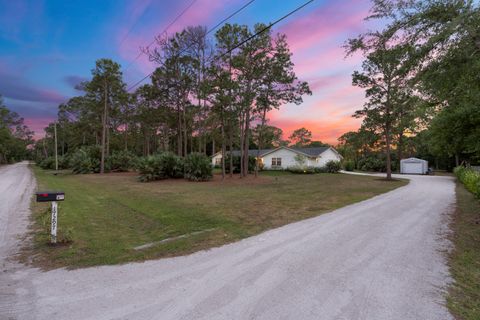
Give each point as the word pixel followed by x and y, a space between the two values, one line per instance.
pixel 412 168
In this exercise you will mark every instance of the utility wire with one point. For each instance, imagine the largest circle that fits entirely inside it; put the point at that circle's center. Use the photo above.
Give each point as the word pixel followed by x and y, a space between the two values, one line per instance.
pixel 208 32
pixel 266 28
pixel 241 43
pixel 164 31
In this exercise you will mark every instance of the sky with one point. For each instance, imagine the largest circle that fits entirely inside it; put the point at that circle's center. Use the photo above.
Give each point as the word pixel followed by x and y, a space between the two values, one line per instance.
pixel 47 47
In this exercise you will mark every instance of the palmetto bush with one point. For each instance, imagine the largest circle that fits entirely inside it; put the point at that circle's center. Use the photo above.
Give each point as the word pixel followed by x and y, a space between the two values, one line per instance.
pixel 47 163
pixel 470 178
pixel 333 166
pixel 86 160
pixel 160 166
pixel 198 167
pixel 122 161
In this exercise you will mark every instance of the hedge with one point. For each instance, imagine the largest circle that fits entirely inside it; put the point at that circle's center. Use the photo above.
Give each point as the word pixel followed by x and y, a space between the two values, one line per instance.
pixel 470 178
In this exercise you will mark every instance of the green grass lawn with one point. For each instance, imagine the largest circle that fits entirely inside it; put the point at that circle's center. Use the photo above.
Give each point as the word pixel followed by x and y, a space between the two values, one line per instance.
pixel 464 296
pixel 108 216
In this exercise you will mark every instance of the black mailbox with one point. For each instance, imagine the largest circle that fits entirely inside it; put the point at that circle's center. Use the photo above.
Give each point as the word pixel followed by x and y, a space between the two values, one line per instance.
pixel 47 196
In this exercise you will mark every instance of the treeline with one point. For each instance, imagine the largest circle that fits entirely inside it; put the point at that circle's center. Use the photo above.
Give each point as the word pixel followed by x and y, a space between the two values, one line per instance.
pixel 421 78
pixel 205 95
pixel 15 136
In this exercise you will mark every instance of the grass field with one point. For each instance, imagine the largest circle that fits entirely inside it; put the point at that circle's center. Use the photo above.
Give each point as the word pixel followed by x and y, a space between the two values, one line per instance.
pixel 464 296
pixel 108 216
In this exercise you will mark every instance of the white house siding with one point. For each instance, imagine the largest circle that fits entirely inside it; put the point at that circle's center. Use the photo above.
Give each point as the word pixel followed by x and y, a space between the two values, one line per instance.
pixel 326 156
pixel 288 158
pixel 215 157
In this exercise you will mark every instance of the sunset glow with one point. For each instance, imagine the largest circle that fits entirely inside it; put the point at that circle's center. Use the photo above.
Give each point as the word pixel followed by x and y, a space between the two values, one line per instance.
pixel 47 48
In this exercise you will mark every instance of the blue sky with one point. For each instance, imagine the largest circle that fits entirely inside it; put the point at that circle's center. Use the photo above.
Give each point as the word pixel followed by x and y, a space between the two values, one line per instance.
pixel 46 47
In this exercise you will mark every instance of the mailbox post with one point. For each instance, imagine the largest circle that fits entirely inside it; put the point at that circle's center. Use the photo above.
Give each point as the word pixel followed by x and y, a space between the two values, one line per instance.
pixel 53 197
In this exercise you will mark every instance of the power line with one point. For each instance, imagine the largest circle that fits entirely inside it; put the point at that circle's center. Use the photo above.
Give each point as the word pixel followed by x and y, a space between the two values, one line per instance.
pixel 164 31
pixel 230 16
pixel 266 28
pixel 208 32
pixel 131 28
pixel 241 43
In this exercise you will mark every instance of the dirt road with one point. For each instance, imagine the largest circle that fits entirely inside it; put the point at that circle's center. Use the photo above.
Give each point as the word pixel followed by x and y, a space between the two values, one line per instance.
pixel 378 259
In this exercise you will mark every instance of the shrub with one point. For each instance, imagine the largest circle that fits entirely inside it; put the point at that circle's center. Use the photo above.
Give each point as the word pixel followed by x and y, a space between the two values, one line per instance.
pixel 349 165
pixel 160 166
pixel 47 163
pixel 371 164
pixel 64 162
pixel 86 160
pixel 122 161
pixel 470 178
pixel 198 167
pixel 301 170
pixel 333 166
pixel 321 170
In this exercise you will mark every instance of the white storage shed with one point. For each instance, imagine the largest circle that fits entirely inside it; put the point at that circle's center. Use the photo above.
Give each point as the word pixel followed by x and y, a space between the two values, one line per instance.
pixel 413 166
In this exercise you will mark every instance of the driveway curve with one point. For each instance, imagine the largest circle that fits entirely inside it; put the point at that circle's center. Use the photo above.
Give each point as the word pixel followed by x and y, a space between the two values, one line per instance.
pixel 378 259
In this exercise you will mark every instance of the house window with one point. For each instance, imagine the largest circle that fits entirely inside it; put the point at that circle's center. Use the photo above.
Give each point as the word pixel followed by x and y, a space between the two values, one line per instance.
pixel 276 162
pixel 218 161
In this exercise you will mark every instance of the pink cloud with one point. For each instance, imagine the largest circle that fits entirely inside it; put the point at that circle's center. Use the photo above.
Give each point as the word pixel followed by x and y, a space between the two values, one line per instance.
pixel 316 41
pixel 195 15
pixel 37 125
pixel 325 23
pixel 325 131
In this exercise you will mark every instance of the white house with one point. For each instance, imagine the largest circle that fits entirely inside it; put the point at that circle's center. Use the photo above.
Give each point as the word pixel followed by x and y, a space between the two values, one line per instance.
pixel 413 166
pixel 284 157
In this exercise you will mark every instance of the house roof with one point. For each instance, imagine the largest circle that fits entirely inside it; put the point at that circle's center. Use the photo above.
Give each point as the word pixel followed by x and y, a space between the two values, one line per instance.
pixel 310 152
pixel 253 152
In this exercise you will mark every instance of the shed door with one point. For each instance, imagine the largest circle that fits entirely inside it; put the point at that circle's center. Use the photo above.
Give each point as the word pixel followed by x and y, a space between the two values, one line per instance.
pixel 413 168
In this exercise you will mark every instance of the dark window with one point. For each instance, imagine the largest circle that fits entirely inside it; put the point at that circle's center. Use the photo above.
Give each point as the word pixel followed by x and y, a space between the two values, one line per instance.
pixel 276 162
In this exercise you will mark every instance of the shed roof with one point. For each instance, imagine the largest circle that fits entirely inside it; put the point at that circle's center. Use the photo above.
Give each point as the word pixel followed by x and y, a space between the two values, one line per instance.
pixel 417 160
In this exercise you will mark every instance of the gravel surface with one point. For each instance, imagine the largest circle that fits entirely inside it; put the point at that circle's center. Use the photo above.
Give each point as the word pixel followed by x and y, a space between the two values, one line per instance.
pixel 378 259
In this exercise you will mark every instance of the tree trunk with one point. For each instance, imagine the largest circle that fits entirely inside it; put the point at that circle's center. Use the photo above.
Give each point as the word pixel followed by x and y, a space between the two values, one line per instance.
pixel 107 148
pixel 246 141
pixel 242 145
pixel 185 139
pixel 387 147
pixel 213 145
pixel 260 140
pixel 223 149
pixel 231 148
pixel 45 152
pixel 400 148
pixel 104 131
pixel 179 132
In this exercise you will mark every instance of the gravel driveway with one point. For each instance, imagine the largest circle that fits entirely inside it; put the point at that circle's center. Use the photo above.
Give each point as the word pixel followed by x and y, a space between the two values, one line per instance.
pixel 378 259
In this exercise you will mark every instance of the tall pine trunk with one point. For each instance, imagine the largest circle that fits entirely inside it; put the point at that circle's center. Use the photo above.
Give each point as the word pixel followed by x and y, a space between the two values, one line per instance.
pixel 388 151
pixel 400 148
pixel 185 136
pixel 246 141
pixel 179 131
pixel 104 131
pixel 231 148
pixel 242 145
pixel 223 146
